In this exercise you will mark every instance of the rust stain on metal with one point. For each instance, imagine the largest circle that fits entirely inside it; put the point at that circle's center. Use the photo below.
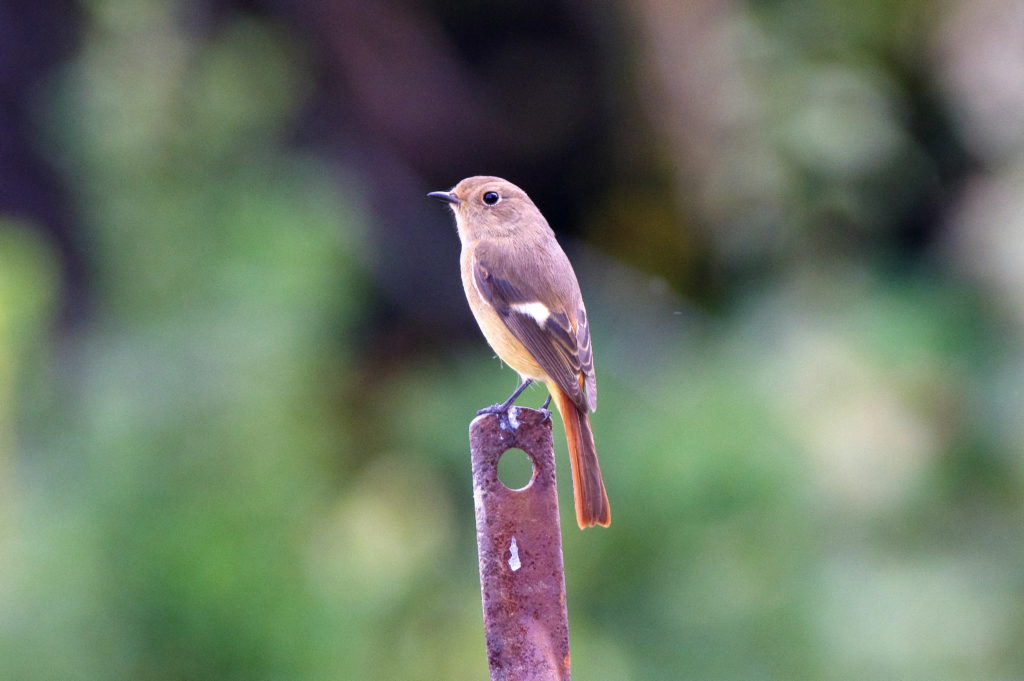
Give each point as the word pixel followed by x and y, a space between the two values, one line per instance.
pixel 519 541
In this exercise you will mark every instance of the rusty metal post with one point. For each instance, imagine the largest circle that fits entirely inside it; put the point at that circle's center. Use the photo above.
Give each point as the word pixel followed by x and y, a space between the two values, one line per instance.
pixel 522 578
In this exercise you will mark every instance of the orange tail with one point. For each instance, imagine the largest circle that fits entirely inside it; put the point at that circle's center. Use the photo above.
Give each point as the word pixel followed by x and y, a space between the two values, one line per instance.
pixel 588 488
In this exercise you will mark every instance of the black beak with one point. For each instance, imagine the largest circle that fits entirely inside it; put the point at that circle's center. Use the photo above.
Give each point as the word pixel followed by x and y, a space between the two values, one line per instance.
pixel 446 196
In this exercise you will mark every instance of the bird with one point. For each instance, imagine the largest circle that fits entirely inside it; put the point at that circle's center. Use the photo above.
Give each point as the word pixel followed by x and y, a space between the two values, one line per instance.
pixel 525 297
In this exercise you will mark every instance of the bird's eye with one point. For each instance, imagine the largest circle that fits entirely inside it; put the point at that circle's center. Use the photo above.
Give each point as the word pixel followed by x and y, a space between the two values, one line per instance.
pixel 491 198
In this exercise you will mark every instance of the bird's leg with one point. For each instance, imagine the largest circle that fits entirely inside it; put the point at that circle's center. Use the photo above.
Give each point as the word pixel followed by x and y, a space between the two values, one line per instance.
pixel 503 407
pixel 544 408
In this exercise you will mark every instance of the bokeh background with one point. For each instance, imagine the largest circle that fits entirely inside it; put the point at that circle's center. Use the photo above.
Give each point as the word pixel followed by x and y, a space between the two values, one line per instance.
pixel 237 370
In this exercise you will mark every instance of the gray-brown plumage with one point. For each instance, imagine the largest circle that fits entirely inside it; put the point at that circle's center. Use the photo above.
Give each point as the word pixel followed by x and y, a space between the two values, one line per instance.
pixel 525 297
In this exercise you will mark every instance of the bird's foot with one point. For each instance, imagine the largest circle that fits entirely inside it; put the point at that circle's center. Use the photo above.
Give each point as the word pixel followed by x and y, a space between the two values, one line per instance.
pixel 544 408
pixel 505 414
pixel 546 413
pixel 494 409
pixel 503 407
pixel 503 410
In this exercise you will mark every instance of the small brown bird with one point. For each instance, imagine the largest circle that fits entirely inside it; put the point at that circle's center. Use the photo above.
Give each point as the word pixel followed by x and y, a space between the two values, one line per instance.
pixel 525 297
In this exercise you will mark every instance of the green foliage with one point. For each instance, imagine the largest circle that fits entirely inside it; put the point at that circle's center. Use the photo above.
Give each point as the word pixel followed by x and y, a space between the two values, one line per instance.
pixel 166 491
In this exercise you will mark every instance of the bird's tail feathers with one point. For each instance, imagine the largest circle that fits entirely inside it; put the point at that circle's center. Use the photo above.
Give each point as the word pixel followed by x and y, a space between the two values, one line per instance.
pixel 588 487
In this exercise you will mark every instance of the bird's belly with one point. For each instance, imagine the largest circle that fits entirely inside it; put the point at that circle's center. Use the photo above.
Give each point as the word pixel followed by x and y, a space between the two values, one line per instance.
pixel 501 340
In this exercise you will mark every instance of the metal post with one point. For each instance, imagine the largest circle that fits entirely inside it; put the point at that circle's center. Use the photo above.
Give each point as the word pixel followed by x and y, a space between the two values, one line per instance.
pixel 522 578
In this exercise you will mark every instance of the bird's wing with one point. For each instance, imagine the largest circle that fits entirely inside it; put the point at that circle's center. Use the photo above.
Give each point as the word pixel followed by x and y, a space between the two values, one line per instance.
pixel 544 312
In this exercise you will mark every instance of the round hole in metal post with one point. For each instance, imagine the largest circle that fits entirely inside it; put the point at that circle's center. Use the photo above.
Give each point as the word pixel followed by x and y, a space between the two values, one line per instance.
pixel 515 469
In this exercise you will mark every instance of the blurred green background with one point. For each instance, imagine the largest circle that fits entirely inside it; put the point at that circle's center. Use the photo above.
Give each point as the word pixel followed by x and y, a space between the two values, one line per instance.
pixel 237 370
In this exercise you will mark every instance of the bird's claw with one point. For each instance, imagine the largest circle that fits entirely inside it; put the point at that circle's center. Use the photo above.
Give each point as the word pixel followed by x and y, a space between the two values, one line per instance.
pixel 493 409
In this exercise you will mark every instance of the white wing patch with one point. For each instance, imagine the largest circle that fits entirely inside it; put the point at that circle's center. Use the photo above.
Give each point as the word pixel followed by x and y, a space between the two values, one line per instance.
pixel 539 311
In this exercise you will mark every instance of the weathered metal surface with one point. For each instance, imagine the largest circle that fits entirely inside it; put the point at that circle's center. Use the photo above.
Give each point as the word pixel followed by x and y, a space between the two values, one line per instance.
pixel 519 540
